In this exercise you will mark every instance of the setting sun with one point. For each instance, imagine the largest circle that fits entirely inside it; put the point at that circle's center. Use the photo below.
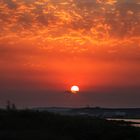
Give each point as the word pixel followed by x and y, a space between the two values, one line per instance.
pixel 74 89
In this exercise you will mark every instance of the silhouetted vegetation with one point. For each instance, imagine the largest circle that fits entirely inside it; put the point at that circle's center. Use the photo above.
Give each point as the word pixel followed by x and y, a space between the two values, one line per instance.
pixel 27 125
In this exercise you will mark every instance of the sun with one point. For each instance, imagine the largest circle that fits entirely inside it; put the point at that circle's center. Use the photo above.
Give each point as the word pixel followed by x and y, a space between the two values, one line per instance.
pixel 74 89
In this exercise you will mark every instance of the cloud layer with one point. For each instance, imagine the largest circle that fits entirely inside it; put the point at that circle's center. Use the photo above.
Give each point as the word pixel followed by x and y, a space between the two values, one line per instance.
pixel 71 25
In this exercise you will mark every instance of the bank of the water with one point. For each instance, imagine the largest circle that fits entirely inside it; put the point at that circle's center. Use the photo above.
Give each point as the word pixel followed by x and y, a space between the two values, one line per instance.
pixel 134 122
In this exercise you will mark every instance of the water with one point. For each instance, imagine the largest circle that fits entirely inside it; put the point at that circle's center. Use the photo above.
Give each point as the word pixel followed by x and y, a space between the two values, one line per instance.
pixel 135 122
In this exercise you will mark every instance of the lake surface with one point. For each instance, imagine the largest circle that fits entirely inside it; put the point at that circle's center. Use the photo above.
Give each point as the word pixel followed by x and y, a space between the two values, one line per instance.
pixel 135 122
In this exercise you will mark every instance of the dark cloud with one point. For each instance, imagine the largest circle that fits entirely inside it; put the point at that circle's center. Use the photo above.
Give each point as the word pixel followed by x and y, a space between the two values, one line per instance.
pixel 11 4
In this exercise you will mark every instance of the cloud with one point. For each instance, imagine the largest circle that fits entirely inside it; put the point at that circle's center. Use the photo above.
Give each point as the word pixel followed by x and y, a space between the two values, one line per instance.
pixel 71 25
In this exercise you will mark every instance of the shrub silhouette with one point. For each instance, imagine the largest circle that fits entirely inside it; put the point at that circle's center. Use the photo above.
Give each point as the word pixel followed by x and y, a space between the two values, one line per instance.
pixel 27 124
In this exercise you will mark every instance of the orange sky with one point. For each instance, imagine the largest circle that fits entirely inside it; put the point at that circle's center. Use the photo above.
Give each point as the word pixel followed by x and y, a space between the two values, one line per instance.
pixel 49 45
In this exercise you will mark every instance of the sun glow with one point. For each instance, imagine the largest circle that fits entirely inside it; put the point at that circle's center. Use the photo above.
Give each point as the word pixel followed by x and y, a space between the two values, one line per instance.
pixel 74 89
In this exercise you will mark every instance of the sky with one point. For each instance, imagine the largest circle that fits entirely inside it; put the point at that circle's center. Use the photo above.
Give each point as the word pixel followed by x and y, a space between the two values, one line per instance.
pixel 46 46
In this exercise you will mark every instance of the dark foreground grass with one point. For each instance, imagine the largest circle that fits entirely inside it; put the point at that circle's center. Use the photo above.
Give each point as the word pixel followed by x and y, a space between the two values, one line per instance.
pixel 31 125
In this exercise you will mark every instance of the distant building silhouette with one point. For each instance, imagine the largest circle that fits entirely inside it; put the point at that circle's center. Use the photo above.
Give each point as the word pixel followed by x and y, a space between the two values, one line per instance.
pixel 10 106
pixel 13 107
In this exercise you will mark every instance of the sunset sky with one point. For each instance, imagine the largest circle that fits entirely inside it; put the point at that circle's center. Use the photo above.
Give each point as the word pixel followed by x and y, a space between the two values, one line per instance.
pixel 46 46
